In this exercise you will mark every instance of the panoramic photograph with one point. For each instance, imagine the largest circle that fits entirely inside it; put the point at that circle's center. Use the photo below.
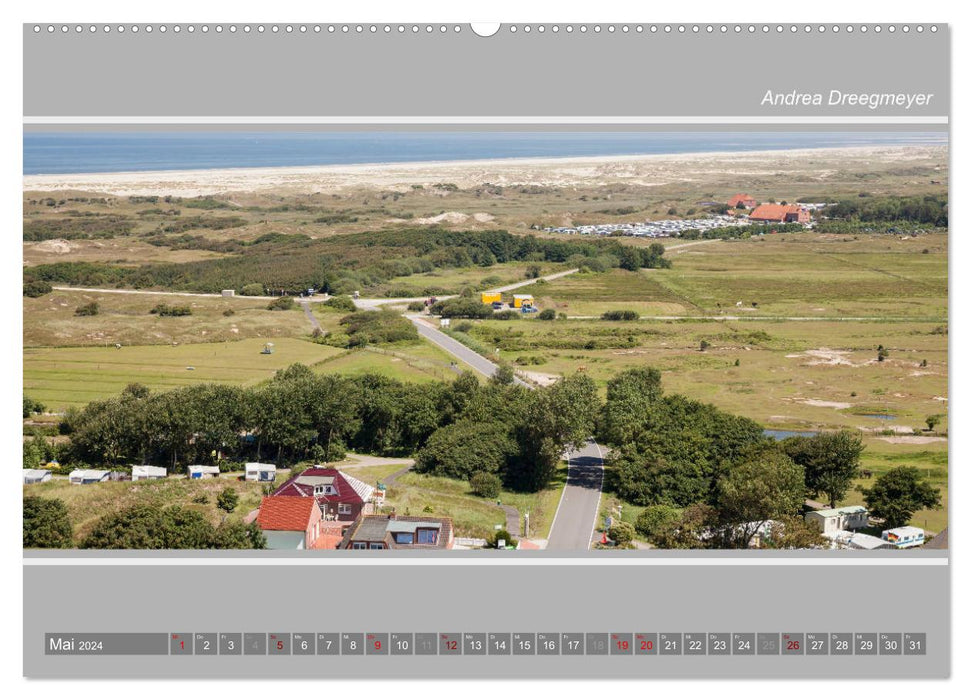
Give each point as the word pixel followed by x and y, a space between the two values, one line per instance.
pixel 447 340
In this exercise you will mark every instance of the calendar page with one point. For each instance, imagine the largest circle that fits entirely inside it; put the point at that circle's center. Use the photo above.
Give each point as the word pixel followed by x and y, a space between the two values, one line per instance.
pixel 610 350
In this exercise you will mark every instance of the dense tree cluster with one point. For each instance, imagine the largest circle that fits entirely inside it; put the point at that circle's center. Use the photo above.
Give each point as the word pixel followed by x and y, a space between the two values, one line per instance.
pixel 930 210
pixel 341 265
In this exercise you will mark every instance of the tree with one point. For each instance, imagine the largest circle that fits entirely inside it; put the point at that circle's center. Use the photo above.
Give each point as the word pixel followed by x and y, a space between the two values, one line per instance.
pixel 236 535
pixel 765 486
pixel 485 485
pixel 630 396
pixel 466 448
pixel 504 374
pixel 793 532
pixel 621 533
pixel 31 406
pixel 655 520
pixel 34 452
pixel 831 462
pixel 882 353
pixel 227 500
pixel 899 493
pixel 46 524
pixel 933 421
pixel 558 418
pixel 186 529
pixel 691 531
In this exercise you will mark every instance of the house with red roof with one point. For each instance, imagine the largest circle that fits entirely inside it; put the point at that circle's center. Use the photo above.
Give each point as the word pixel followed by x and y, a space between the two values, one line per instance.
pixel 290 523
pixel 340 496
pixel 744 201
pixel 780 214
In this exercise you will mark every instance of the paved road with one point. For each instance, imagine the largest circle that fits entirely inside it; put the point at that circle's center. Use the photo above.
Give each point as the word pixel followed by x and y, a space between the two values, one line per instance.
pixel 456 349
pixel 373 303
pixel 576 516
pixel 99 290
pixel 579 505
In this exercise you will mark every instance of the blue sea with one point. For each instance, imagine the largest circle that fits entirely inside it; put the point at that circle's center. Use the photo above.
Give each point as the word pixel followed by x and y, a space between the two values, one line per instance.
pixel 102 152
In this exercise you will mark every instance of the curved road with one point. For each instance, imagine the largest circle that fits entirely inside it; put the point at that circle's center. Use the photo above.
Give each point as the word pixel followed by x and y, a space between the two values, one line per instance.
pixel 576 514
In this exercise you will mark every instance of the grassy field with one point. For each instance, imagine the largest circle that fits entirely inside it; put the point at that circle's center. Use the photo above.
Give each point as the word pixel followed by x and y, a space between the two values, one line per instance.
pixel 474 516
pixel 420 362
pixel 62 377
pixel 805 275
pixel 50 321
pixel 85 504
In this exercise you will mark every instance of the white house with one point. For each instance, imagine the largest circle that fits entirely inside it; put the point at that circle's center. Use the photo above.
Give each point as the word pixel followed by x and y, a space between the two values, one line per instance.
pixel 88 476
pixel 904 537
pixel 142 472
pixel 202 471
pixel 36 476
pixel 833 519
pixel 256 471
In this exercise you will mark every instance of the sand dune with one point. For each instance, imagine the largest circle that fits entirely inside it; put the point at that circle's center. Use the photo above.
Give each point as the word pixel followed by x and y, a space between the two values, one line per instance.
pixel 645 170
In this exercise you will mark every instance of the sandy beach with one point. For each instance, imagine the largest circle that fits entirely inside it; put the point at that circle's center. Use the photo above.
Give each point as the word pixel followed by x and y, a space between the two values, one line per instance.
pixel 643 170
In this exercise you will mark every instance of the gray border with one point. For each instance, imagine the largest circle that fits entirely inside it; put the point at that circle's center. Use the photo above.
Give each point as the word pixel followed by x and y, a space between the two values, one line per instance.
pixel 579 74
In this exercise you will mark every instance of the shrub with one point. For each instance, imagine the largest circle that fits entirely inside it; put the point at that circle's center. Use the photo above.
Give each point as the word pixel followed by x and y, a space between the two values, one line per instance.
pixel 37 288
pixel 46 523
pixel 252 290
pixel 621 533
pixel 485 485
pixel 92 309
pixel 281 304
pixel 229 312
pixel 166 310
pixel 227 500
pixel 341 302
pixel 618 315
pixel 492 541
pixel 416 306
pixel 547 315
pixel 655 520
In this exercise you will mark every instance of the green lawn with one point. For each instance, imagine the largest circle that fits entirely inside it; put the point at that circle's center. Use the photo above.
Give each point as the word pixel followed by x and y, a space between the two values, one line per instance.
pixel 62 377
pixel 418 362
pixel 474 516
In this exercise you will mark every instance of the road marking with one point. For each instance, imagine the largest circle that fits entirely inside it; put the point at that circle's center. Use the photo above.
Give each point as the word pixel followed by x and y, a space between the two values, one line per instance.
pixel 600 493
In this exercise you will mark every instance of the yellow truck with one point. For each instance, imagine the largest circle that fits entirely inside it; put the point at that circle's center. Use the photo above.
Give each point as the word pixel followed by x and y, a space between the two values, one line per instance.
pixel 491 297
pixel 521 300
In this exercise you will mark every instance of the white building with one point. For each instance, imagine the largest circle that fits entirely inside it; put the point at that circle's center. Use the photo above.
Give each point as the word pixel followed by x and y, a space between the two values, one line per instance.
pixel 256 471
pixel 845 518
pixel 202 471
pixel 142 472
pixel 36 476
pixel 88 476
pixel 904 537
pixel 844 539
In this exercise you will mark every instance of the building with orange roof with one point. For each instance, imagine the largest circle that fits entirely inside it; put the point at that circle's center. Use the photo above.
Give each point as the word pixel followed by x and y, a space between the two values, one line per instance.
pixel 290 523
pixel 780 214
pixel 745 201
